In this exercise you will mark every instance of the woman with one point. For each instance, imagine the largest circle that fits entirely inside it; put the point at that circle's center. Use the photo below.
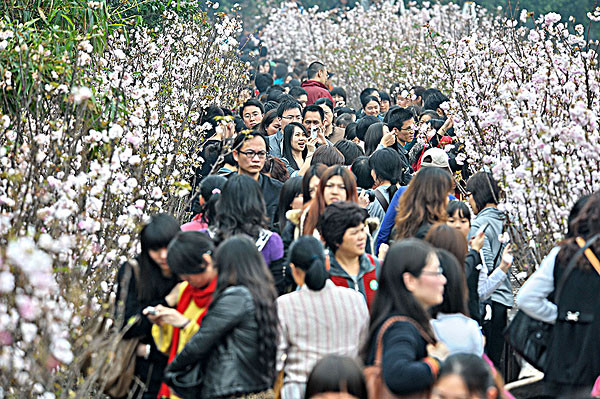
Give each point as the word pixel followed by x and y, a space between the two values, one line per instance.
pixel 298 149
pixel 342 227
pixel 452 324
pixel 189 257
pixel 362 172
pixel 573 363
pixel 466 376
pixel 339 326
pixel 290 198
pixel 310 182
pixel 373 137
pixel 411 283
pixel 459 216
pixel 241 210
pixel 336 184
pixel 237 341
pixel 370 105
pixel 484 196
pixel 270 123
pixel 210 192
pixel 336 377
pixel 423 203
pixel 386 170
pixel 149 287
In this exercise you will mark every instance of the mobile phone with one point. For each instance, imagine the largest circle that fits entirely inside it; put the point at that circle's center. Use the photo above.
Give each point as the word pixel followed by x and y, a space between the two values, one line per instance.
pixel 313 132
pixel 483 228
pixel 151 310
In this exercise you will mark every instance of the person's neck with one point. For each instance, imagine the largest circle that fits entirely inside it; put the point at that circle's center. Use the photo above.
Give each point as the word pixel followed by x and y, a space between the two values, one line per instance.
pixel 490 206
pixel 401 143
pixel 254 176
pixel 349 262
pixel 384 183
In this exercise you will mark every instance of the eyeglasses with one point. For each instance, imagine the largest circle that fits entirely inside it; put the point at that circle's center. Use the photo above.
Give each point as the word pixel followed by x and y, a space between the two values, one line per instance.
pixel 292 117
pixel 251 154
pixel 439 272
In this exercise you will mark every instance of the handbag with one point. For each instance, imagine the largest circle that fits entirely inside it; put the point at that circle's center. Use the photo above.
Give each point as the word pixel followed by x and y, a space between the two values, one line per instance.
pixel 530 337
pixel 185 382
pixel 376 386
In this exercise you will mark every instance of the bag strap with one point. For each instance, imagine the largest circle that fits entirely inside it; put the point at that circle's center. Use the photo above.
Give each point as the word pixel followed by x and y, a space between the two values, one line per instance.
pixel 589 254
pixel 572 264
pixel 136 272
pixel 382 200
pixel 388 323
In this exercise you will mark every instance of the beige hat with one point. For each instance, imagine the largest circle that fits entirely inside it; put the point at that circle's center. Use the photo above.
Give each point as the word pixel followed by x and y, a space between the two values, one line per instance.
pixel 435 157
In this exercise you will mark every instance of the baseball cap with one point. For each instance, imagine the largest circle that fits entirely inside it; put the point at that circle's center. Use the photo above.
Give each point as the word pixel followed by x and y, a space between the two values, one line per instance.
pixel 435 157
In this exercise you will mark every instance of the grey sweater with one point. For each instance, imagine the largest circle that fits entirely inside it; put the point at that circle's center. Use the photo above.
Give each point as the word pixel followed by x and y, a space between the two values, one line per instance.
pixel 491 248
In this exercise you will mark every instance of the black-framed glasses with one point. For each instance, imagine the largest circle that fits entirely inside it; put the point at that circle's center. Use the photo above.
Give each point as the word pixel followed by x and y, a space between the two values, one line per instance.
pixel 251 154
pixel 439 272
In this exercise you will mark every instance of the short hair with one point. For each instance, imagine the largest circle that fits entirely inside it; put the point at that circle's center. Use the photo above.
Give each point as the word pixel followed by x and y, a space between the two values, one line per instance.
pixel 418 90
pixel 326 101
pixel 313 69
pixel 313 108
pixel 336 374
pixel 349 150
pixel 297 92
pixel 263 81
pixel 343 120
pixel 338 91
pixel 461 207
pixel 384 96
pixel 434 100
pixel 367 92
pixel 281 70
pixel 484 189
pixel 363 124
pixel 337 218
pixel 327 155
pixel 271 106
pixel 362 172
pixel 184 253
pixel 241 138
pixel 287 105
pixel 285 97
pixel 253 102
pixel 343 110
pixel 397 117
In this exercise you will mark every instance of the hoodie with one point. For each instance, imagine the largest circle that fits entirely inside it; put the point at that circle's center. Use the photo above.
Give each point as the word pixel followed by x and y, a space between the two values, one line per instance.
pixel 315 90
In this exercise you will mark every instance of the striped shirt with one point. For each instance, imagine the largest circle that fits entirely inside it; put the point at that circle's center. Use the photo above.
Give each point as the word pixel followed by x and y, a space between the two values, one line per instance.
pixel 314 324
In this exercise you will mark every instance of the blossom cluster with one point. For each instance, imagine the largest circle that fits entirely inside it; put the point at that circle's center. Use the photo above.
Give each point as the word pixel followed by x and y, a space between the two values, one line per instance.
pixel 523 99
pixel 87 152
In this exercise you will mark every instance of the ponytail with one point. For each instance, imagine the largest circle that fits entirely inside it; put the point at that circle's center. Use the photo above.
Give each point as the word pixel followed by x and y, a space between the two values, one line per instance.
pixel 308 254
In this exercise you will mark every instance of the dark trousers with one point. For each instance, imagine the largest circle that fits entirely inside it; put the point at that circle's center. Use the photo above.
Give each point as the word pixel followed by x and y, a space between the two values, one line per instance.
pixel 493 330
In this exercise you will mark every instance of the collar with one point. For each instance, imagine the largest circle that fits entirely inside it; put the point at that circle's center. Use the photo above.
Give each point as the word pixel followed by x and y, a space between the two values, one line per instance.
pixel 337 269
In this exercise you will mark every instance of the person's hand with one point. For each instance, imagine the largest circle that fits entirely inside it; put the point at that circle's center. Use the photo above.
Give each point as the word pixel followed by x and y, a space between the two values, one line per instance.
pixel 507 259
pixel 171 299
pixel 477 241
pixel 311 145
pixel 165 315
pixel 388 139
pixel 440 351
pixel 229 130
pixel 142 350
pixel 321 136
pixel 363 199
pixel 383 249
pixel 447 125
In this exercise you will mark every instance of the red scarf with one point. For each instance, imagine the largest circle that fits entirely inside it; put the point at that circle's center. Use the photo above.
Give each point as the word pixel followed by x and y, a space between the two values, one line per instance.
pixel 202 298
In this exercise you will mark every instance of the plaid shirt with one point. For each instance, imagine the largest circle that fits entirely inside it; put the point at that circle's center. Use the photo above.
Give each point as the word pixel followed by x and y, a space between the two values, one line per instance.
pixel 314 324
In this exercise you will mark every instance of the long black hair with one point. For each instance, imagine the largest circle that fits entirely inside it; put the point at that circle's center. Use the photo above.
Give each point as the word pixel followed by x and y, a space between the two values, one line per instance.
pixel 387 165
pixel 210 190
pixel 455 290
pixel 290 190
pixel 155 235
pixel 307 254
pixel 239 263
pixel 186 250
pixel 241 208
pixel 393 298
pixel 288 133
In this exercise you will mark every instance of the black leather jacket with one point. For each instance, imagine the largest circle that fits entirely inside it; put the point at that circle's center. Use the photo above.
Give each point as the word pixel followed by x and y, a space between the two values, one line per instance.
pixel 227 345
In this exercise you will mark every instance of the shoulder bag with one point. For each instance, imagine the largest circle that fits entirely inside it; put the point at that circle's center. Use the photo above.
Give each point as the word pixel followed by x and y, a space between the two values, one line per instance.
pixel 374 374
pixel 530 337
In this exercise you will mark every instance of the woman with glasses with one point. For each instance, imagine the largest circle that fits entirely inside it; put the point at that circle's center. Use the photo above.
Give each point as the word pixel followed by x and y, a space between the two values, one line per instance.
pixel 410 283
pixel 298 149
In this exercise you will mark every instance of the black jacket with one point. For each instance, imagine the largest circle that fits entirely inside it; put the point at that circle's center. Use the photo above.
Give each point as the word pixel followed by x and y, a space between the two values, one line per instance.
pixel 473 260
pixel 227 347
pixel 270 189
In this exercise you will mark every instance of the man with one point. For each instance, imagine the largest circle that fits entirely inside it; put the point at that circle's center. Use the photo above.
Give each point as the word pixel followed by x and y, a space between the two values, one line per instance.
pixel 252 113
pixel 433 99
pixel 250 152
pixel 312 118
pixel 288 111
pixel 401 125
pixel 315 85
pixel 300 95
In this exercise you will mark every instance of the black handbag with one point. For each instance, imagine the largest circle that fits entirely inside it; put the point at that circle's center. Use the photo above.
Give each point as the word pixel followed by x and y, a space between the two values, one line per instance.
pixel 186 382
pixel 530 337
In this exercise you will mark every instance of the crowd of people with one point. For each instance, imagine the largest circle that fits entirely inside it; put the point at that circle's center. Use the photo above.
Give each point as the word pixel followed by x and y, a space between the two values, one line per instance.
pixel 327 241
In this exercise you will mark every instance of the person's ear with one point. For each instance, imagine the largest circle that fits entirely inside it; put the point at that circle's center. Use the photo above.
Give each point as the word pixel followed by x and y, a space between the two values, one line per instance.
pixel 492 393
pixel 235 155
pixel 410 281
pixel 207 258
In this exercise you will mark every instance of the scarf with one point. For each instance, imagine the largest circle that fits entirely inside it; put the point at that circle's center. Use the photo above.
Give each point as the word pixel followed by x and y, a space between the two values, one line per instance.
pixel 202 298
